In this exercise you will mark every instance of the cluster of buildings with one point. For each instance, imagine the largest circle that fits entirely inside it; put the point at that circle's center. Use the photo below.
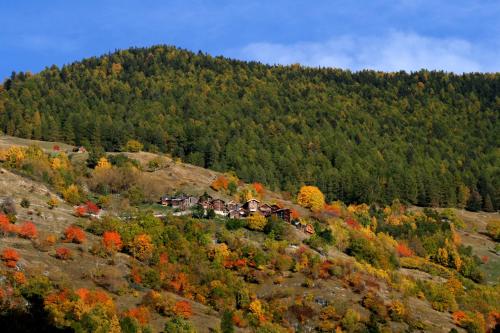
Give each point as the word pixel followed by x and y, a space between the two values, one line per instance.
pixel 229 209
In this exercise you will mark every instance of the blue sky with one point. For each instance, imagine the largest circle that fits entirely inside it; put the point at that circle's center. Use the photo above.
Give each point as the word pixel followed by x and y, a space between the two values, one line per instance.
pixel 455 35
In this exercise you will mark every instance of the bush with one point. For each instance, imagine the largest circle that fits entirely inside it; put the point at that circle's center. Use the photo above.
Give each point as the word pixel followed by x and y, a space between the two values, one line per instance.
pixel 74 234
pixel 179 325
pixel 25 203
pixel 493 229
pixel 235 224
pixel 63 253
pixel 28 230
pixel 10 257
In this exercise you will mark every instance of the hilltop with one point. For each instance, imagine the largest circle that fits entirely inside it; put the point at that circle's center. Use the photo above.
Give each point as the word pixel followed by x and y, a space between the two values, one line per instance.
pixel 427 138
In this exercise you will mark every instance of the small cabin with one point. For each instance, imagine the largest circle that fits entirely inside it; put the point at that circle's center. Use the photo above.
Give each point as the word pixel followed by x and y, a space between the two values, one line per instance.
pixel 232 205
pixel 284 214
pixel 251 205
pixel 205 201
pixel 166 200
pixel 265 209
pixel 309 229
pixel 219 206
pixel 237 213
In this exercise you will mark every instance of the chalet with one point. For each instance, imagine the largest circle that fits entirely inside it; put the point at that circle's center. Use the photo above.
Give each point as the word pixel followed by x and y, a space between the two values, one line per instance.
pixel 238 213
pixel 265 210
pixel 205 201
pixel 251 206
pixel 79 150
pixel 283 213
pixel 309 229
pixel 183 202
pixel 219 207
pixel 232 205
pixel 166 200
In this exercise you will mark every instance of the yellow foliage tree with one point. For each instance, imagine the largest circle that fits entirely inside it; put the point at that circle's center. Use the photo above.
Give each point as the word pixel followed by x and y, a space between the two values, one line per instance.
pixel 311 197
pixel 141 247
pixel 256 222
pixel 133 146
pixel 72 194
pixel 103 164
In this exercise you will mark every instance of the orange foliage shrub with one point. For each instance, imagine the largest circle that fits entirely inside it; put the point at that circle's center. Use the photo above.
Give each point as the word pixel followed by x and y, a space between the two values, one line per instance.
pixel 140 313
pixel 403 250
pixel 19 277
pixel 28 230
pixel 135 275
pixel 80 211
pixel 112 241
pixel 4 219
pixel 458 316
pixel 220 183
pixel 74 234
pixel 51 239
pixel 259 188
pixel 10 257
pixel 63 253
pixel 92 208
pixel 183 309
pixel 141 247
pixel 180 282
pixel 333 209
pixel 6 227
pixel 353 223
pixel 294 214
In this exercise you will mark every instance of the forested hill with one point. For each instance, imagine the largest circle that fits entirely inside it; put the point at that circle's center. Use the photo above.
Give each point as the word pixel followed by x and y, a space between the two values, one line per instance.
pixel 430 138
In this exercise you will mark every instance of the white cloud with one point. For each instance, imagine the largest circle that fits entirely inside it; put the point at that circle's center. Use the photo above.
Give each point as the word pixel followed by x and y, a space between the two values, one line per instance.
pixel 392 52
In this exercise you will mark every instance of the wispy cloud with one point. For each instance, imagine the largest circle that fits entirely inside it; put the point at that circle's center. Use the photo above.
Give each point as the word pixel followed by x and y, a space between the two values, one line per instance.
pixel 43 43
pixel 391 52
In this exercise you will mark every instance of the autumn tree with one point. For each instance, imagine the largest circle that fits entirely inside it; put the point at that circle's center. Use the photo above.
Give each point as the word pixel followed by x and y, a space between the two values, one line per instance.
pixel 71 194
pixel 256 221
pixel 220 183
pixel 141 247
pixel 133 146
pixel 183 309
pixel 112 241
pixel 311 197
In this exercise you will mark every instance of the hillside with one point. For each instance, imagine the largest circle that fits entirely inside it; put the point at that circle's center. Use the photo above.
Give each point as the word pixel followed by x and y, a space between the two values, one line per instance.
pixel 427 138
pixel 391 268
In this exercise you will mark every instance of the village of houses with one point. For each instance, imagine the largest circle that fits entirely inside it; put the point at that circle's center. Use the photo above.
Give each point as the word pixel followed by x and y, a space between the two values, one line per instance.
pixel 184 204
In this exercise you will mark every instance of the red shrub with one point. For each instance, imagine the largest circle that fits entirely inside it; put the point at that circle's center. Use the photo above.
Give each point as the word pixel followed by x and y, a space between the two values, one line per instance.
pixel 353 223
pixel 6 227
pixel 4 219
pixel 259 188
pixel 92 208
pixel 63 253
pixel 10 257
pixel 183 309
pixel 140 313
pixel 74 234
pixel 404 251
pixel 112 241
pixel 81 211
pixel 28 230
pixel 294 214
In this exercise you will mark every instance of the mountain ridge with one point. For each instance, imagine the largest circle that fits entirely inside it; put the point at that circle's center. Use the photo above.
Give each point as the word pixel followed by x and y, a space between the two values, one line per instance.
pixel 428 138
